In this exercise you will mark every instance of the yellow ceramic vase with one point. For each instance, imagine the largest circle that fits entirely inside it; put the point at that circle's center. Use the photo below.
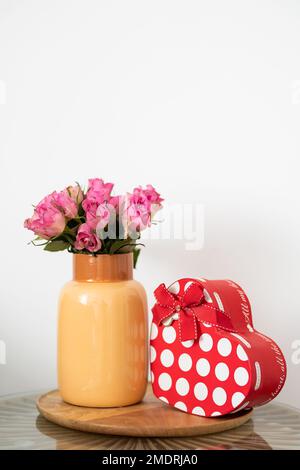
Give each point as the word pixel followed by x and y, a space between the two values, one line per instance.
pixel 102 333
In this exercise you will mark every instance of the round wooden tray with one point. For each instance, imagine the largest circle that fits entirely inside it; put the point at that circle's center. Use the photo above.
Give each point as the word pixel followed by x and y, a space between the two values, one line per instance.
pixel 151 418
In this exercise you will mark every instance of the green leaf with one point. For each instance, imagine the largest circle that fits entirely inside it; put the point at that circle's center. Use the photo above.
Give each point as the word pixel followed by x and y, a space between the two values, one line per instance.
pixel 136 254
pixel 129 248
pixel 33 242
pixel 66 237
pixel 106 245
pixel 117 245
pixel 57 245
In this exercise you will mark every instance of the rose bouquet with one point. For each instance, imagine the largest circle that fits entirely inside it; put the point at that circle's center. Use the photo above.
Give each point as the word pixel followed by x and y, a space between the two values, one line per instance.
pixel 94 221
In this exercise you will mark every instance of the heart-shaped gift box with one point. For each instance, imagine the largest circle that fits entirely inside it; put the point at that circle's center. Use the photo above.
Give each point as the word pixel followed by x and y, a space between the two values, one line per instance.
pixel 206 357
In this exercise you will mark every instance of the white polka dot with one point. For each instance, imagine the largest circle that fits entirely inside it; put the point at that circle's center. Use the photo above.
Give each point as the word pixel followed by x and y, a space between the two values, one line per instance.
pixel 224 347
pixel 237 399
pixel 222 371
pixel 165 381
pixel 203 367
pixel 152 354
pixel 198 411
pixel 180 405
pixel 188 344
pixel 169 334
pixel 207 325
pixel 240 408
pixel 152 377
pixel 205 342
pixel 241 353
pixel 167 358
pixel 216 413
pixel 154 331
pixel 164 399
pixel 219 396
pixel 182 386
pixel 185 362
pixel 241 376
pixel 174 288
pixel 200 391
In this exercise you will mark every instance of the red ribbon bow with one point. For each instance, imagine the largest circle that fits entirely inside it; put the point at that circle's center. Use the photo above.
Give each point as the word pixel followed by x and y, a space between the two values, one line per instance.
pixel 191 308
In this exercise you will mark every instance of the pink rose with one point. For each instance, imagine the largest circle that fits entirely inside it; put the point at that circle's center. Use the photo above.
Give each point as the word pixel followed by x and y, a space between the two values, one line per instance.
pixel 151 195
pixel 103 215
pixel 116 201
pixel 75 193
pixel 90 206
pixel 47 220
pixel 98 216
pixel 87 239
pixel 65 204
pixel 140 207
pixel 97 193
pixel 137 214
pixel 91 217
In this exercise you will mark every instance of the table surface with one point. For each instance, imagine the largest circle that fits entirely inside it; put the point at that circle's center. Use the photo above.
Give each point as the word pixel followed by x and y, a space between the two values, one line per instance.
pixel 274 426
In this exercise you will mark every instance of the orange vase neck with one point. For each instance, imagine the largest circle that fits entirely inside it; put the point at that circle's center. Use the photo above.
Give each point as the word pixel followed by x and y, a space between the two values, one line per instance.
pixel 105 268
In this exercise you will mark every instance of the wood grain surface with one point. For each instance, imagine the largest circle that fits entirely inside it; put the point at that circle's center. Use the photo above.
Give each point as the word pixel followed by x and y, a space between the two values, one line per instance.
pixel 150 418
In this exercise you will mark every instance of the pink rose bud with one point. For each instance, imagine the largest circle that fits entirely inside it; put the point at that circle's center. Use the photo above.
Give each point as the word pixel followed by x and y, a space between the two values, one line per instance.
pixel 75 193
pixel 87 239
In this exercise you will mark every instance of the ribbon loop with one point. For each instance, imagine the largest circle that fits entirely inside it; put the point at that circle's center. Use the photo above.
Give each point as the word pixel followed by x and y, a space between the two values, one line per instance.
pixel 191 309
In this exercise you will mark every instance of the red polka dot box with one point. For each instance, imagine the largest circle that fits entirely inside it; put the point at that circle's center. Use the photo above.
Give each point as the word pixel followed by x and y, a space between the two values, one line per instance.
pixel 206 356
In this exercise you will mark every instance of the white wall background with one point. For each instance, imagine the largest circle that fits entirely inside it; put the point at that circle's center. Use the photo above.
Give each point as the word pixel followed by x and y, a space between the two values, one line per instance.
pixel 202 99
